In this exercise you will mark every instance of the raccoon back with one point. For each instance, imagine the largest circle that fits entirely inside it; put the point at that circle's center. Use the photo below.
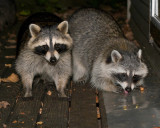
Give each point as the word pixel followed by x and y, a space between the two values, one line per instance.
pixel 90 30
pixel 92 22
pixel 94 32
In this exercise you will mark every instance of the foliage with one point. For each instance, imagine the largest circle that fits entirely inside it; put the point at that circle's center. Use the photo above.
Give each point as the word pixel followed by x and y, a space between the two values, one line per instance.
pixel 25 7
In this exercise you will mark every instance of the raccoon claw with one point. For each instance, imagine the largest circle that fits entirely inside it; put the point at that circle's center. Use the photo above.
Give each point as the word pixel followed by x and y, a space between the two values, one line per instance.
pixel 81 80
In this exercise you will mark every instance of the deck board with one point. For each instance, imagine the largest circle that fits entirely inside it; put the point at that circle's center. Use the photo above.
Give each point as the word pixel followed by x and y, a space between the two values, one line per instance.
pixel 8 93
pixel 83 107
pixel 26 111
pixel 102 110
pixel 54 110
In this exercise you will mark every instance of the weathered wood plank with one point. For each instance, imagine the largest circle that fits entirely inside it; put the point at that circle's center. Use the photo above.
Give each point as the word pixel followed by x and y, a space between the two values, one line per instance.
pixel 141 8
pixel 83 107
pixel 149 51
pixel 155 32
pixel 146 2
pixel 26 111
pixel 54 110
pixel 142 24
pixel 9 93
pixel 8 51
pixel 102 111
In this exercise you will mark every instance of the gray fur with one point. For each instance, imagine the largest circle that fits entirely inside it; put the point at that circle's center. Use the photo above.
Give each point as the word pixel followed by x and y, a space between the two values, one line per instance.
pixel 95 36
pixel 29 64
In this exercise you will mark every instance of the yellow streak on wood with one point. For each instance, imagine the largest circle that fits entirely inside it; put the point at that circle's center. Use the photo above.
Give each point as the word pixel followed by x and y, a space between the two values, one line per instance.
pixel 12 46
pixel 97 101
pixel 10 57
pixel 11 41
pixel 39 123
pixel 98 113
pixel 11 35
pixel 15 121
pixel 8 65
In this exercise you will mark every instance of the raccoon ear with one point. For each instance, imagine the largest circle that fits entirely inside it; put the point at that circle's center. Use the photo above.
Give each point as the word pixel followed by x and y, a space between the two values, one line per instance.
pixel 34 29
pixel 139 54
pixel 115 56
pixel 63 27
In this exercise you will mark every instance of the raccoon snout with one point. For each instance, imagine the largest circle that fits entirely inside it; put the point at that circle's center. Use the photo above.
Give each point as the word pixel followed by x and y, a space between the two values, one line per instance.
pixel 128 89
pixel 53 60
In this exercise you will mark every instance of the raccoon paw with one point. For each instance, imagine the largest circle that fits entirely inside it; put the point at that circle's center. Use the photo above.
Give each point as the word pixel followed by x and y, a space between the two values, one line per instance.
pixel 117 90
pixel 62 95
pixel 29 94
pixel 112 88
pixel 81 80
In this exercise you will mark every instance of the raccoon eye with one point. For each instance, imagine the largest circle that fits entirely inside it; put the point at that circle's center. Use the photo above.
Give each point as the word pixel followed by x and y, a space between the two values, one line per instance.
pixel 60 48
pixel 121 76
pixel 41 50
pixel 136 78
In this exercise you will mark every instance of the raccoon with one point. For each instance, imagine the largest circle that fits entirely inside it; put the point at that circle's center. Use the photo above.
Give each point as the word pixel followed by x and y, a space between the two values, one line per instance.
pixel 101 53
pixel 45 49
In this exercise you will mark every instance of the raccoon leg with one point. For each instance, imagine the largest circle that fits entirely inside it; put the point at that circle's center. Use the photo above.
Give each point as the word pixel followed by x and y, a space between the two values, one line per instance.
pixel 61 85
pixel 79 71
pixel 27 85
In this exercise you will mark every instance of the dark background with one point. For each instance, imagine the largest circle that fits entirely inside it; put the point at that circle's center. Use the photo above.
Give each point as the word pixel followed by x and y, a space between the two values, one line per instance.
pixel 65 8
pixel 31 6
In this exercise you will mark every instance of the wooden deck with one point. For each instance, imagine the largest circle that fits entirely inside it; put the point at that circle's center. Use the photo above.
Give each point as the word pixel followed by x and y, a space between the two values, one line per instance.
pixel 84 107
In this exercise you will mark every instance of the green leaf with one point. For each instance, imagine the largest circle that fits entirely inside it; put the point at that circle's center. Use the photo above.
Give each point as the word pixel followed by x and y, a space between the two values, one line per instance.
pixel 25 12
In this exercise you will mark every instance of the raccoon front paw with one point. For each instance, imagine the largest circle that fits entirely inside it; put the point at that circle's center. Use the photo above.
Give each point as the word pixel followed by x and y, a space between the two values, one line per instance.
pixel 28 94
pixel 112 88
pixel 82 80
pixel 62 95
pixel 118 90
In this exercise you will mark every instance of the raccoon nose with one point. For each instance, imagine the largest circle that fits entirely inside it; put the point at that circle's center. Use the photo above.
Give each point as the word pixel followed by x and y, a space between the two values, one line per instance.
pixel 128 89
pixel 53 59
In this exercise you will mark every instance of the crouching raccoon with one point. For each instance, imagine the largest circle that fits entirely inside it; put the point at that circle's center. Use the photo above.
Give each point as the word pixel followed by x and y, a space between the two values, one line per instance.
pixel 102 54
pixel 44 47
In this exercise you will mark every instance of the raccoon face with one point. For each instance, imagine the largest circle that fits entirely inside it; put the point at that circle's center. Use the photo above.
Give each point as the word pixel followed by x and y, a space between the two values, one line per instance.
pixel 127 81
pixel 127 70
pixel 50 42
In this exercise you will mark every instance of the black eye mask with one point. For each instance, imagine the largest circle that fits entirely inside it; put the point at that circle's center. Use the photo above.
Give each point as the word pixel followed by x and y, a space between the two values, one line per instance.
pixel 136 78
pixel 60 48
pixel 41 50
pixel 121 77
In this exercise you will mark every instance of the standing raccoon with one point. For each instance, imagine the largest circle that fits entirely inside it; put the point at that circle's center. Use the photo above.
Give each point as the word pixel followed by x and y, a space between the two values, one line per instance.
pixel 102 54
pixel 44 49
